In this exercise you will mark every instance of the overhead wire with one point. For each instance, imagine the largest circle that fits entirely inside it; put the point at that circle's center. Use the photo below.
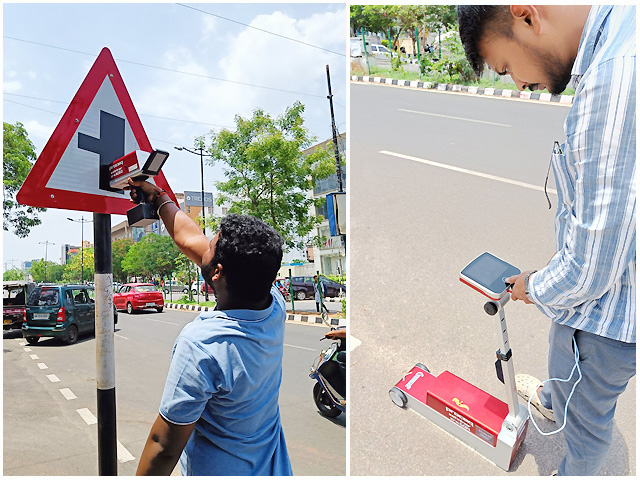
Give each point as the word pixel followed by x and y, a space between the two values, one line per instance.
pixel 263 30
pixel 209 77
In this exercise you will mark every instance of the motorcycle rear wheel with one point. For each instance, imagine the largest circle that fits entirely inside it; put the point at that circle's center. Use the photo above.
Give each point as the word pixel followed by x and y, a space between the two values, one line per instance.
pixel 324 403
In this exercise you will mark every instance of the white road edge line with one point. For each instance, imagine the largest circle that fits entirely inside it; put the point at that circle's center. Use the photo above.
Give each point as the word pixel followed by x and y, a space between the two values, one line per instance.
pixel 301 348
pixel 126 338
pixel 53 378
pixel 123 454
pixel 42 366
pixel 67 393
pixel 455 118
pixel 469 172
pixel 34 357
pixel 87 416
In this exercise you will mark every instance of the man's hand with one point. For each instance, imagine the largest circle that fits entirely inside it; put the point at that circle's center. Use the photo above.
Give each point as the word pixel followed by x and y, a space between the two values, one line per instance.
pixel 151 191
pixel 517 291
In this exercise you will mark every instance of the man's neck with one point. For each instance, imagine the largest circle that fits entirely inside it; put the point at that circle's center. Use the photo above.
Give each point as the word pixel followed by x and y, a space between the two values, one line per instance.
pixel 569 20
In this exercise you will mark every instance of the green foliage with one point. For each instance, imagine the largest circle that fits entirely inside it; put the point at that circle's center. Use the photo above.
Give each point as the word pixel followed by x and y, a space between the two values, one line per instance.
pixel 54 271
pixel 18 155
pixel 186 272
pixel 153 255
pixel 73 270
pixel 396 64
pixel 13 274
pixel 267 174
pixel 337 278
pixel 119 249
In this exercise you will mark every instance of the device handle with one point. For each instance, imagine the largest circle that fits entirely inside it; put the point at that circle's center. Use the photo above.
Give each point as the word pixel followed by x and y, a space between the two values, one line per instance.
pixel 492 307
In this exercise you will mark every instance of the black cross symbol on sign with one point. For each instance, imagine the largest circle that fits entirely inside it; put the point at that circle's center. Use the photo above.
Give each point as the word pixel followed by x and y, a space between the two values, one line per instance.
pixel 110 145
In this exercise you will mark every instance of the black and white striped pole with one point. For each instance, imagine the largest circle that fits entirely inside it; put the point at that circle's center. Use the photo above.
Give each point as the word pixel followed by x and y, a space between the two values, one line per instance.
pixel 105 355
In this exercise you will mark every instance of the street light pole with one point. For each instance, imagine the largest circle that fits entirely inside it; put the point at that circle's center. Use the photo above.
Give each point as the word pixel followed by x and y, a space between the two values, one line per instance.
pixel 46 245
pixel 83 221
pixel 202 155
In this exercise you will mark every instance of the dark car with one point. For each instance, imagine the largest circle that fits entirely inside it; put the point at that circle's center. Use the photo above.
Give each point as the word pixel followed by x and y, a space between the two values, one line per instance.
pixel 60 311
pixel 137 296
pixel 14 302
pixel 303 287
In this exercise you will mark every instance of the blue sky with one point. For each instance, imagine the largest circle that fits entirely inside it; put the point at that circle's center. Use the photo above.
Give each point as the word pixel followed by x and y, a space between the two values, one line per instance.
pixel 173 37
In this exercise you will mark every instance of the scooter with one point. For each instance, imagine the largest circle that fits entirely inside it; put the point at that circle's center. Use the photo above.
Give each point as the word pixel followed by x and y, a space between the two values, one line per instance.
pixel 329 371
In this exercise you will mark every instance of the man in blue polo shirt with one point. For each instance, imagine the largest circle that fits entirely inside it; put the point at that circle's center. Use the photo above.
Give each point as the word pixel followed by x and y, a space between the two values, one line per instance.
pixel 588 288
pixel 219 412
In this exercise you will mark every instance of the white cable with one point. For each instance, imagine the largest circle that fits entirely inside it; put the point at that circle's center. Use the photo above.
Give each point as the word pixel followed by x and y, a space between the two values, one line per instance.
pixel 577 357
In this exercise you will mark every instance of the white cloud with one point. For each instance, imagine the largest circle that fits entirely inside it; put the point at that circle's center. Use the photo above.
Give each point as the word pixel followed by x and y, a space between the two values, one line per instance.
pixel 210 26
pixel 38 133
pixel 257 58
pixel 31 74
pixel 12 86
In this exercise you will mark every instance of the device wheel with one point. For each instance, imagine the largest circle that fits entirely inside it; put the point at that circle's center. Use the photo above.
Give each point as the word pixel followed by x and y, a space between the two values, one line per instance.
pixel 423 366
pixel 166 291
pixel 301 295
pixel 323 402
pixel 129 308
pixel 398 397
pixel 159 309
pixel 32 340
pixel 72 335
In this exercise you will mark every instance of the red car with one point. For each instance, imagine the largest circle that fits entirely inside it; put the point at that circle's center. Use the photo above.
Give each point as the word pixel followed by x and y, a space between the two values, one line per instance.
pixel 136 296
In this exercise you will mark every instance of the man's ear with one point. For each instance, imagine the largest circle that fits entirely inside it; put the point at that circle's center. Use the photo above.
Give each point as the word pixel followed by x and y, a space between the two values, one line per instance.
pixel 217 273
pixel 526 17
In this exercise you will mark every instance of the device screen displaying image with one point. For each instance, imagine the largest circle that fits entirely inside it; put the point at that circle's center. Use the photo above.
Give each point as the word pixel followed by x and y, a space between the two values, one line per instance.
pixel 487 274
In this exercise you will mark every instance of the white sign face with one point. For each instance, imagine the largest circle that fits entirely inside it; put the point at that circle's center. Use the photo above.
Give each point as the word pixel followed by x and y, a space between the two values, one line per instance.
pixel 77 169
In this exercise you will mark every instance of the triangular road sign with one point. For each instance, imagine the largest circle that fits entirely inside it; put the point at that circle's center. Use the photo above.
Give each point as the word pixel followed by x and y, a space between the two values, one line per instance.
pixel 99 126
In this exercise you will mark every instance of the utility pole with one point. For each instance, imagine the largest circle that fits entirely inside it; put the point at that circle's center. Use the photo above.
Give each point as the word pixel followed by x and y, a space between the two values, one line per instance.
pixel 335 136
pixel 46 245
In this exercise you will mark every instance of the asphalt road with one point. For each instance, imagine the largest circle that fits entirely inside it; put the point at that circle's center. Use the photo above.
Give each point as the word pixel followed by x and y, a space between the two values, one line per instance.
pixel 44 434
pixel 413 227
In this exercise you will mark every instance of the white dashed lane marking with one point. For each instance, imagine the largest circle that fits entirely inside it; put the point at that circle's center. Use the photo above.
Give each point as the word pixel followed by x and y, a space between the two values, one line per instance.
pixel 27 349
pixel 22 344
pixel 42 366
pixel 123 454
pixel 116 335
pixel 87 416
pixel 34 357
pixel 162 321
pixel 301 348
pixel 455 118
pixel 67 393
pixel 53 378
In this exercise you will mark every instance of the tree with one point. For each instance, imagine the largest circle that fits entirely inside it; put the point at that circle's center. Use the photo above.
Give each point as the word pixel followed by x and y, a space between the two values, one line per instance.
pixel 18 156
pixel 119 249
pixel 80 265
pixel 268 176
pixel 153 255
pixel 13 274
pixel 54 271
pixel 186 272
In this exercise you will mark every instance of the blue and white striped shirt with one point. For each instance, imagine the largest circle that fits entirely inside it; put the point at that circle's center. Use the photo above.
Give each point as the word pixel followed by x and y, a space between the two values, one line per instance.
pixel 590 283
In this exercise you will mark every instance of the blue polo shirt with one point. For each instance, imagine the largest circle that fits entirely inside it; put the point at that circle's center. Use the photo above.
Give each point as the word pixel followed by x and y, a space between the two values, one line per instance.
pixel 225 375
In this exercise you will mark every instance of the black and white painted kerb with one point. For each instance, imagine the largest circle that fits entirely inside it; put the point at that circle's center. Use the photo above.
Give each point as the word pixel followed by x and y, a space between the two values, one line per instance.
pixel 290 316
pixel 105 357
pixel 488 91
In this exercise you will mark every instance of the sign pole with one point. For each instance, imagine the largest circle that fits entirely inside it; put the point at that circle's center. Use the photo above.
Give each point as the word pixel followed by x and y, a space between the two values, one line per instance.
pixel 105 357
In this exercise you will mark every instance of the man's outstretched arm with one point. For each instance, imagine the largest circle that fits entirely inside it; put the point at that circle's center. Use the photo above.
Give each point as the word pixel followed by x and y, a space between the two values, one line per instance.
pixel 186 234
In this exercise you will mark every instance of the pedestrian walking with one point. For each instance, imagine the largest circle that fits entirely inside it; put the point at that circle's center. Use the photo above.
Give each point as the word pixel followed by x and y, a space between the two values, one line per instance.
pixel 219 411
pixel 318 296
pixel 588 287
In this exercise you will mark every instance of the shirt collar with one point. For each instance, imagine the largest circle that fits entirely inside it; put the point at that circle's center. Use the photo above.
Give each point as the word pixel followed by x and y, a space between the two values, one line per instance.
pixel 591 36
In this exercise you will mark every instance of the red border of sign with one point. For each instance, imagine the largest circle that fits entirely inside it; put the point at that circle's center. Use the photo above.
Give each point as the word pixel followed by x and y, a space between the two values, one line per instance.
pixel 34 191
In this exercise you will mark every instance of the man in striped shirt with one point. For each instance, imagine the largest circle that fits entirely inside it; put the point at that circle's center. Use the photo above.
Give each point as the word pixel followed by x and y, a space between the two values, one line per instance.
pixel 588 288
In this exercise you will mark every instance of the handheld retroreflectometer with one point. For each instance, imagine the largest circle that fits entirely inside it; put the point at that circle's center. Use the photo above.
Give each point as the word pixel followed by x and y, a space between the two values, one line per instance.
pixel 129 166
pixel 491 427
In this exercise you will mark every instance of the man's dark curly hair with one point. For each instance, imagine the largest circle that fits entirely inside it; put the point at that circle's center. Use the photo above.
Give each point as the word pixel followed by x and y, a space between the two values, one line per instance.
pixel 250 252
pixel 482 22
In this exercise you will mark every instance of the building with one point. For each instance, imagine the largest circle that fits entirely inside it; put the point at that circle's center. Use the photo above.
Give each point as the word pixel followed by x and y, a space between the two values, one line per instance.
pixel 70 251
pixel 330 256
pixel 188 201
